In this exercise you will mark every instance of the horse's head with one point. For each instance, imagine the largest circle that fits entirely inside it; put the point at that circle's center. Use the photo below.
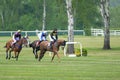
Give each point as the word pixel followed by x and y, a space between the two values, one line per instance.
pixel 61 43
pixel 25 41
pixel 64 43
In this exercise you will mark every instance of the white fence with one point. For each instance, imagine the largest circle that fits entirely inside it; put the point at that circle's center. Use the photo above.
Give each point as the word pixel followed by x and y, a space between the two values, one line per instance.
pixel 100 32
pixel 115 32
pixel 33 33
pixel 94 32
pixel 97 32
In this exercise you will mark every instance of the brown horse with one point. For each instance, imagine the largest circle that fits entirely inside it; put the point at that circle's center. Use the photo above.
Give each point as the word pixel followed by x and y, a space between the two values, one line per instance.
pixel 17 48
pixel 55 48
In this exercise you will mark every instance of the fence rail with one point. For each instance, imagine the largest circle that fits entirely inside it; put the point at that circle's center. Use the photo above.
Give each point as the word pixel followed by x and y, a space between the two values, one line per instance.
pixel 94 32
pixel 33 33
pixel 100 32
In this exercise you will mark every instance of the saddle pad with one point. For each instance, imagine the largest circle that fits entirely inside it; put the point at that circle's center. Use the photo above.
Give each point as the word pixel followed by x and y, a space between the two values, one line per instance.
pixel 37 42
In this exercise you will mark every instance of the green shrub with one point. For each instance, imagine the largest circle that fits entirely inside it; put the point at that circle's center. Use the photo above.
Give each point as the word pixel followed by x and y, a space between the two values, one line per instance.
pixel 78 53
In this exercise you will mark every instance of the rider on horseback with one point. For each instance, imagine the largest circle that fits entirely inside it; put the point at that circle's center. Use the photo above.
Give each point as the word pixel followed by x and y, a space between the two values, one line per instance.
pixel 16 37
pixel 53 37
pixel 42 37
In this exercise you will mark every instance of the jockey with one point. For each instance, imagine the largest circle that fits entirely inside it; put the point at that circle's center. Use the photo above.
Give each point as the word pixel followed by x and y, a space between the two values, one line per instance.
pixel 42 36
pixel 53 37
pixel 16 37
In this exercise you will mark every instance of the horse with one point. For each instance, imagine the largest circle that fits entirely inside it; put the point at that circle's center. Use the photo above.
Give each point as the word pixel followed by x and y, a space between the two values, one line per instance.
pixel 17 48
pixel 35 48
pixel 55 48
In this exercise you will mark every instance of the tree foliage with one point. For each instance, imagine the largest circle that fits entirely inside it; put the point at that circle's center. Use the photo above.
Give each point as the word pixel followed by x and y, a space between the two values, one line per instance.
pixel 114 14
pixel 28 14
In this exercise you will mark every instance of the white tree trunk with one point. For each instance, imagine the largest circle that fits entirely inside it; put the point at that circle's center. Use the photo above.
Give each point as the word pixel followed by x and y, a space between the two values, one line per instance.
pixel 44 15
pixel 2 18
pixel 105 14
pixel 70 25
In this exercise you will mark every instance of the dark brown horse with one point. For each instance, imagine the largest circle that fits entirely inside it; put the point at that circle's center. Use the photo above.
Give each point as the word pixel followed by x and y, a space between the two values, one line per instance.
pixel 35 48
pixel 55 48
pixel 17 48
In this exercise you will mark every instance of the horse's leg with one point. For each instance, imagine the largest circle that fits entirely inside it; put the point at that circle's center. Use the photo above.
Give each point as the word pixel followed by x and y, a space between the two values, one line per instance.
pixel 41 54
pixel 7 53
pixel 10 54
pixel 37 49
pixel 17 55
pixel 58 57
pixel 35 52
pixel 53 56
pixel 36 55
pixel 55 53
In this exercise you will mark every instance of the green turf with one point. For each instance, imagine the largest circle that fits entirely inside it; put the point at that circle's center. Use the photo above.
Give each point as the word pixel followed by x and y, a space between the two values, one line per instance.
pixel 98 65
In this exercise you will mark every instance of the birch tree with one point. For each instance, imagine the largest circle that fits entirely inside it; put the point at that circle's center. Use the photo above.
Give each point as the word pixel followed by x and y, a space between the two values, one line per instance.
pixel 70 25
pixel 105 15
pixel 2 18
pixel 44 14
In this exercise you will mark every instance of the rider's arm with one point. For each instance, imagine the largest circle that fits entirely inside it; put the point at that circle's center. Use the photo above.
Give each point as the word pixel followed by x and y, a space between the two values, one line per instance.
pixel 51 35
pixel 56 37
pixel 13 37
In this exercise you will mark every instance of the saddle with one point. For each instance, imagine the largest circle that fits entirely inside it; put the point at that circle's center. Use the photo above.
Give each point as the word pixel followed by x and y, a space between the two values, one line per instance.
pixel 37 43
pixel 13 44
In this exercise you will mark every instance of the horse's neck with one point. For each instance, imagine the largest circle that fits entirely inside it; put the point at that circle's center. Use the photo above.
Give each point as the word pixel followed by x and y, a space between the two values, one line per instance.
pixel 61 43
pixel 57 44
pixel 20 41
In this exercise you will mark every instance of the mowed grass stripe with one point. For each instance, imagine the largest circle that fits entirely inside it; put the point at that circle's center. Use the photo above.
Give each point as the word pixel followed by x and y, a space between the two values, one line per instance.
pixel 68 69
pixel 98 65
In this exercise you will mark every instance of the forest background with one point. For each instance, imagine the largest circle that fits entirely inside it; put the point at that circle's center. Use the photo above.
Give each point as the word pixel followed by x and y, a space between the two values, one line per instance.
pixel 28 14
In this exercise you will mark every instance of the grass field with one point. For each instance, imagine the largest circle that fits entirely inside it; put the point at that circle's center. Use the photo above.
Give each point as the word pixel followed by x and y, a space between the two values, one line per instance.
pixel 98 65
